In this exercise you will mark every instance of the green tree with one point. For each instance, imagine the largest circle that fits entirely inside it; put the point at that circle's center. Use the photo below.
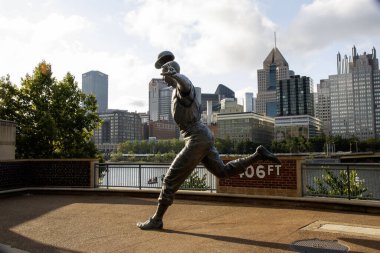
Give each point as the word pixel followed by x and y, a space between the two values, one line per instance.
pixel 54 118
pixel 224 146
pixel 342 184
pixel 195 182
pixel 9 100
pixel 317 143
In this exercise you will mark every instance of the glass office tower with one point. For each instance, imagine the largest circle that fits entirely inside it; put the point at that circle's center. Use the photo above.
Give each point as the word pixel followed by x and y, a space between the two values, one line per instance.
pixel 96 83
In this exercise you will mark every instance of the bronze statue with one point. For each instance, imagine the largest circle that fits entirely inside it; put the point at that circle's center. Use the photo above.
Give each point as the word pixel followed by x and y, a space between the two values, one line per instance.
pixel 199 141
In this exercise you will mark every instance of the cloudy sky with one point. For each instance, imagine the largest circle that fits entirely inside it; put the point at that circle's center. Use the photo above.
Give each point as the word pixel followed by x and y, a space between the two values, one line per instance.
pixel 215 41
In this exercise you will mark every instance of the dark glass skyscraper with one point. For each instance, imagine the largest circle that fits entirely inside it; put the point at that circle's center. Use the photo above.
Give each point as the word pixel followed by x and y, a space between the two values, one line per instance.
pixel 295 96
pixel 224 92
pixel 96 83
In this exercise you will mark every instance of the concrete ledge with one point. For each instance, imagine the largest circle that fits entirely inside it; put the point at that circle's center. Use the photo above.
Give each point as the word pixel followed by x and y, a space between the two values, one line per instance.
pixel 353 205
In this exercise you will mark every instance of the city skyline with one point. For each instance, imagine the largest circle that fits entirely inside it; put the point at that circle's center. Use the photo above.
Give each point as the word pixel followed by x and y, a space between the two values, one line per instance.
pixel 219 42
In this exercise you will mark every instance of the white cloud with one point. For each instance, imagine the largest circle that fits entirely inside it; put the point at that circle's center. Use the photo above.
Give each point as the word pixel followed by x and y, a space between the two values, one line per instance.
pixel 128 76
pixel 57 39
pixel 324 22
pixel 215 41
pixel 322 28
pixel 25 42
pixel 208 36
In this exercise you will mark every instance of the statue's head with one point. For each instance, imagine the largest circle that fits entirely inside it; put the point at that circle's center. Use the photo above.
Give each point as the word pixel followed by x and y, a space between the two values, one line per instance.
pixel 168 70
pixel 163 57
pixel 171 67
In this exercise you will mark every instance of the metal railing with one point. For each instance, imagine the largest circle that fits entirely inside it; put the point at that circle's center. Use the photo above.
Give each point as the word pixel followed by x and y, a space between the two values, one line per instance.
pixel 149 176
pixel 342 180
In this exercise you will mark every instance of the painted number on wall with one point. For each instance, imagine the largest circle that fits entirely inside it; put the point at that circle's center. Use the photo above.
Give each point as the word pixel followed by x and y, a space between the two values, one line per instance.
pixel 261 171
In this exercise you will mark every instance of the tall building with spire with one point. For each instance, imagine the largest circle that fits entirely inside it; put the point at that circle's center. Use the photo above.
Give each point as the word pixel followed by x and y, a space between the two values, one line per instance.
pixel 275 68
pixel 355 96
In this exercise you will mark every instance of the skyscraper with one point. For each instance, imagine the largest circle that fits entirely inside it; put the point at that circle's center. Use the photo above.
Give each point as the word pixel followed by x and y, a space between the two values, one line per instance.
pixel 295 96
pixel 248 102
pixel 96 83
pixel 295 109
pixel 355 96
pixel 159 100
pixel 161 122
pixel 224 92
pixel 220 93
pixel 323 105
pixel 275 68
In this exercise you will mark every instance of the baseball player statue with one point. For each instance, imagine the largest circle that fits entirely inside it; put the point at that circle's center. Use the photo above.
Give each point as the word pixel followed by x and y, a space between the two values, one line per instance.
pixel 199 141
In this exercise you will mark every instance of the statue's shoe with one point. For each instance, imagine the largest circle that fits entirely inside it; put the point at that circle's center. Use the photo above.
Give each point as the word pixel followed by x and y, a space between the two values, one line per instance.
pixel 150 224
pixel 266 155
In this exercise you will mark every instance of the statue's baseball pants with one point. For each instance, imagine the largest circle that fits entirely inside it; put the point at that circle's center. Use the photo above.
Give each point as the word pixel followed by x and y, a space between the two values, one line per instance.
pixel 199 147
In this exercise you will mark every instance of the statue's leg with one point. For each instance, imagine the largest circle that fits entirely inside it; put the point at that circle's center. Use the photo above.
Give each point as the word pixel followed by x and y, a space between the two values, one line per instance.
pixel 215 165
pixel 180 169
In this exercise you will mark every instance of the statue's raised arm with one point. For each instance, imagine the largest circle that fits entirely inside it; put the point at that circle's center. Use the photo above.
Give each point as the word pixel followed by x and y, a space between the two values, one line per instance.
pixel 172 76
pixel 171 72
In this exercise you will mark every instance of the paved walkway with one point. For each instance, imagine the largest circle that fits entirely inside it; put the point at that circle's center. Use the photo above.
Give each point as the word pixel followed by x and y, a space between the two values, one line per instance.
pixel 64 223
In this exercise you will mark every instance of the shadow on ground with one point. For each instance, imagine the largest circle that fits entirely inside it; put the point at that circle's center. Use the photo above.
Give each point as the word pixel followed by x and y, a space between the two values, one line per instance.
pixel 374 244
pixel 231 239
pixel 23 208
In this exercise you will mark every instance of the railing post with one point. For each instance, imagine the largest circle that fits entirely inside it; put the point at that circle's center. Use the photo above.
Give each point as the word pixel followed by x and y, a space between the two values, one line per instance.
pixel 107 169
pixel 210 179
pixel 349 182
pixel 140 176
pixel 94 173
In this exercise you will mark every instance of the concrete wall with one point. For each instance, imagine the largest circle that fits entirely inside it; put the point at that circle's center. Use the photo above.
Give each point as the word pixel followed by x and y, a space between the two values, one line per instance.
pixel 7 140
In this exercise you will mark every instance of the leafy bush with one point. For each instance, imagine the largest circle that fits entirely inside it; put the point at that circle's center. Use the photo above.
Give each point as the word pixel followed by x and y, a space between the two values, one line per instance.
pixel 341 184
pixel 194 182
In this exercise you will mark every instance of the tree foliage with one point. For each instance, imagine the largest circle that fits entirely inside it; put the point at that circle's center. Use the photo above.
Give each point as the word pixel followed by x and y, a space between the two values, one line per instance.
pixel 227 146
pixel 195 182
pixel 150 147
pixel 159 151
pixel 341 185
pixel 166 150
pixel 318 144
pixel 54 118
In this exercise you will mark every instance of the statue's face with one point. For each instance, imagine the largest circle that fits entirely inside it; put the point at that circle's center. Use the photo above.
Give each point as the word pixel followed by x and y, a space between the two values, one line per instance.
pixel 168 68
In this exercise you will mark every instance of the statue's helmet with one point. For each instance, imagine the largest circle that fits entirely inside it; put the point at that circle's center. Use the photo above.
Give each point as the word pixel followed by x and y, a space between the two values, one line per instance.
pixel 163 57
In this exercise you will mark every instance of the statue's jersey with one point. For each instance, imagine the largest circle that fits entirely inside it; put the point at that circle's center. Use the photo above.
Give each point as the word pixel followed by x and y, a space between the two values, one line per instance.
pixel 186 109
